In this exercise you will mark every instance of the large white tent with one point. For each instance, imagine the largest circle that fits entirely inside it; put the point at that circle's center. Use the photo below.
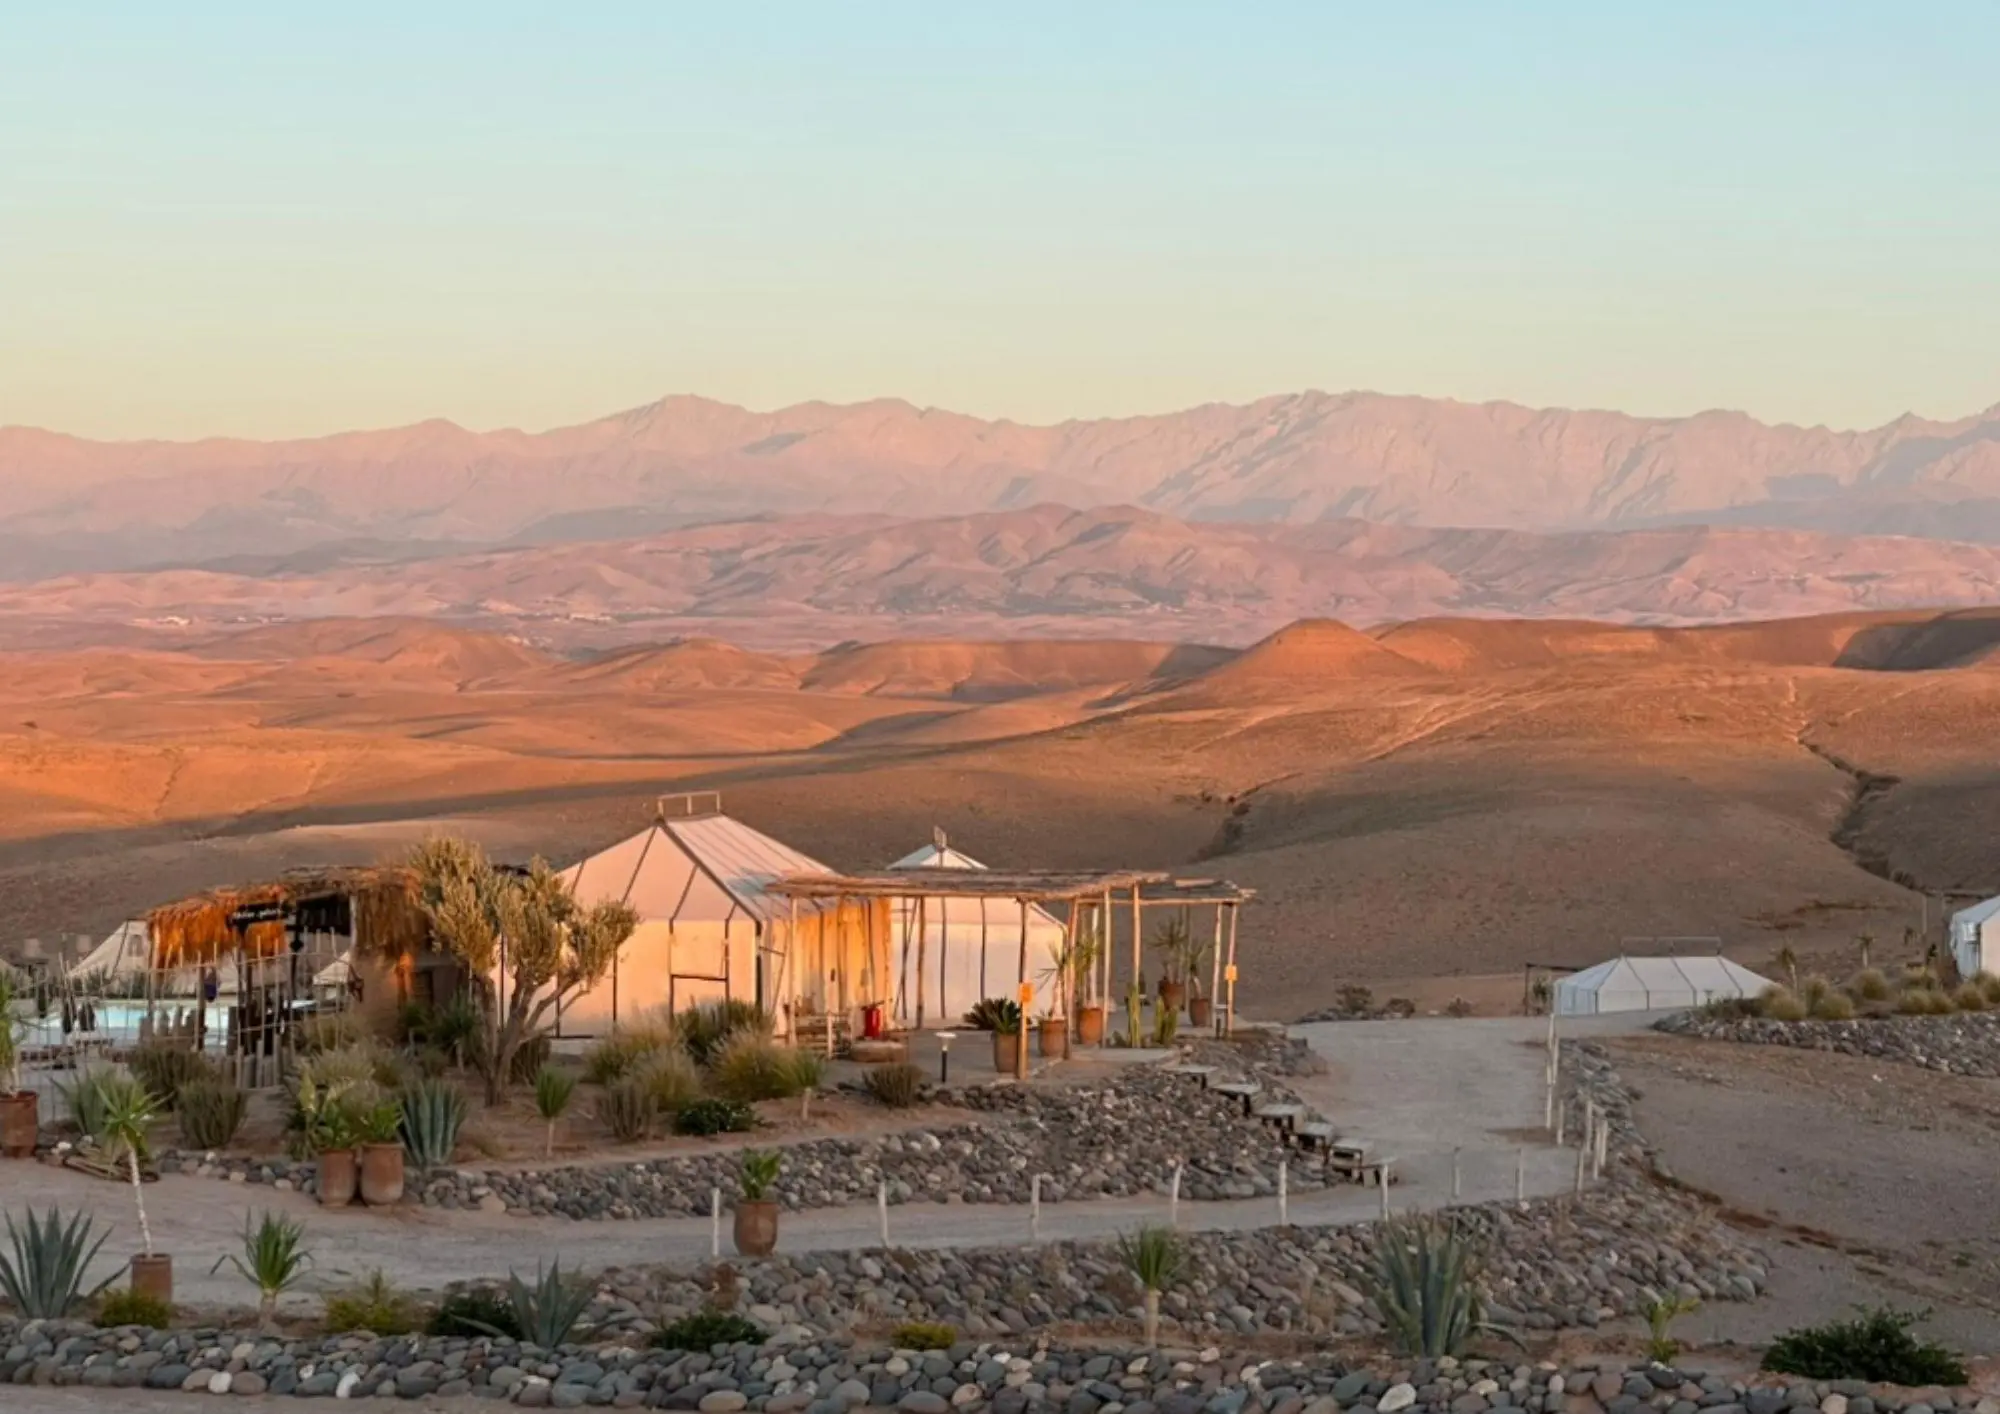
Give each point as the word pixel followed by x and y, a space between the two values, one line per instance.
pixel 1975 938
pixel 950 953
pixel 1654 984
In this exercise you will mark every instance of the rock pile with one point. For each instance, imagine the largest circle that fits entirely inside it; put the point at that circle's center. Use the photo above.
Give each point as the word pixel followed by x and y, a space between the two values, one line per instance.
pixel 1965 1044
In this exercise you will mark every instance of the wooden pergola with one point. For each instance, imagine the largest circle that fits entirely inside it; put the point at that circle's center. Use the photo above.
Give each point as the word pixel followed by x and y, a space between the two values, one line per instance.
pixel 1106 893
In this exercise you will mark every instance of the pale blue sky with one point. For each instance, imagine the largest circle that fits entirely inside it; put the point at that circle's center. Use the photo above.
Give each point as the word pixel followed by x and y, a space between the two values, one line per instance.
pixel 236 218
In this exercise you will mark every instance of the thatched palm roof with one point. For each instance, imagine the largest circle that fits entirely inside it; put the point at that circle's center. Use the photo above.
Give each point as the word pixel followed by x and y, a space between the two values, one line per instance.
pixel 388 922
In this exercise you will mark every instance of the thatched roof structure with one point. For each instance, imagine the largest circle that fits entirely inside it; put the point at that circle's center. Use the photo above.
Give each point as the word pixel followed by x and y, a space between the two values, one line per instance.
pixel 387 919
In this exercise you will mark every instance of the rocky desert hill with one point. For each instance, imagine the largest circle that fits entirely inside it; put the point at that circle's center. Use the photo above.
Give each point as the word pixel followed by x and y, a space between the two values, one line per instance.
pixel 1296 459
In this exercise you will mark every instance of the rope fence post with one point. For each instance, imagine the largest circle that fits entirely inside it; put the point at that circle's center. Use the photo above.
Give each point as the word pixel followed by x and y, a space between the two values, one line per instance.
pixel 1382 1182
pixel 1284 1195
pixel 882 1209
pixel 1035 1208
pixel 714 1222
pixel 1521 1175
pixel 1457 1174
pixel 1174 1198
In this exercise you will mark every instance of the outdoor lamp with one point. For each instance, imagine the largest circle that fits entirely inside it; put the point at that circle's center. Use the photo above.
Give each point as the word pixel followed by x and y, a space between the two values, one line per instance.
pixel 945 1038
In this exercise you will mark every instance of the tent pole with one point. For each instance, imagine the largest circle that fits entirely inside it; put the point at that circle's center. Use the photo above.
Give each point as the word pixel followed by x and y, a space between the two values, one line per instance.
pixel 923 952
pixel 1067 981
pixel 1105 919
pixel 944 960
pixel 1021 1049
pixel 1136 992
pixel 1231 974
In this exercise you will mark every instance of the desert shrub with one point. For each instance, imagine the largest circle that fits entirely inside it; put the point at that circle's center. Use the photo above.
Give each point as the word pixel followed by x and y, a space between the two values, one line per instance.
pixel 1923 1001
pixel 1814 990
pixel 705 1330
pixel 375 1306
pixel 1870 984
pixel 1779 1004
pixel 624 1052
pixel 627 1110
pixel 1730 1009
pixel 89 1097
pixel 529 1058
pixel 474 1313
pixel 1919 974
pixel 1970 996
pixel 705 1029
pixel 211 1111
pixel 1834 1006
pixel 1355 1001
pixel 1990 984
pixel 1458 1007
pixel 126 1307
pixel 1661 1313
pixel 164 1069
pixel 330 1031
pixel 808 1069
pixel 924 1335
pixel 671 1078
pixel 750 1066
pixel 1877 1346
pixel 708 1116
pixel 896 1086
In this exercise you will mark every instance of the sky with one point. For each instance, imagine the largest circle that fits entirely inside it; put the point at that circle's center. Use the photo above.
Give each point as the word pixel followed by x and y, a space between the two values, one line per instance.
pixel 260 220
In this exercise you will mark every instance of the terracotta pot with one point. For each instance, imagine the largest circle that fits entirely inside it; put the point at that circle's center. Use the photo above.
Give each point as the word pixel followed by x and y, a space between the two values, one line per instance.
pixel 756 1231
pixel 20 1124
pixel 1201 1011
pixel 1052 1037
pixel 154 1276
pixel 381 1174
pixel 338 1173
pixel 1173 995
pixel 1090 1026
pixel 1006 1051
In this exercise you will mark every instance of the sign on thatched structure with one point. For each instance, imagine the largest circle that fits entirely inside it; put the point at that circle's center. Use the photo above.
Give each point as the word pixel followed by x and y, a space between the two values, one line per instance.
pixel 377 907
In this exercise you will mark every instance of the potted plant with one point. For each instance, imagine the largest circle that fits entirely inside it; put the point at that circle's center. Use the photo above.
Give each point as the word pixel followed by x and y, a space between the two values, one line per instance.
pixel 1199 952
pixel 20 1110
pixel 756 1230
pixel 128 1110
pixel 1171 941
pixel 1002 1017
pixel 324 1126
pixel 1052 1036
pixel 1085 952
pixel 378 1126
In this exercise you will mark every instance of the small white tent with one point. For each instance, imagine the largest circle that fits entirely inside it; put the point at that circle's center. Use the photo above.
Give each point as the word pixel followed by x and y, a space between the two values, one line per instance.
pixel 1975 938
pixel 963 949
pixel 1654 984
pixel 126 952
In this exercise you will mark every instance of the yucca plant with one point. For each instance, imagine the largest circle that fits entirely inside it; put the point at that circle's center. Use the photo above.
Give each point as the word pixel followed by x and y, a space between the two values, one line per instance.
pixel 1425 1285
pixel 42 1278
pixel 211 1111
pixel 553 1091
pixel 273 1259
pixel 627 1110
pixel 703 1029
pixel 128 1111
pixel 808 1068
pixel 433 1113
pixel 1661 1313
pixel 547 1312
pixel 1154 1256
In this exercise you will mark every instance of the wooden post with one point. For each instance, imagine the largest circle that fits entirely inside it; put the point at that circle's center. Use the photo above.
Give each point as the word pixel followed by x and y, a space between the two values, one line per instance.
pixel 1215 976
pixel 882 1208
pixel 923 952
pixel 1520 1175
pixel 1136 993
pixel 1230 1028
pixel 715 1222
pixel 1021 1050
pixel 785 991
pixel 1457 1175
pixel 1104 969
pixel 1035 1208
pixel 1174 1198
pixel 1067 981
pixel 1284 1195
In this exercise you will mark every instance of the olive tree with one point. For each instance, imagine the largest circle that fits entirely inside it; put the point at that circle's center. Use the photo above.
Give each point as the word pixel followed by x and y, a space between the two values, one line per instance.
pixel 523 933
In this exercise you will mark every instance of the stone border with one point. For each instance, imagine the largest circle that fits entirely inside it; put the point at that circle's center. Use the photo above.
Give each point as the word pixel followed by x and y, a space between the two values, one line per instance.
pixel 1963 1044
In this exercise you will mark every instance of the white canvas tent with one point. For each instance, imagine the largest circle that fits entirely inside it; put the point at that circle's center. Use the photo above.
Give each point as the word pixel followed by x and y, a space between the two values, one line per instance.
pixel 1975 938
pixel 126 952
pixel 964 948
pixel 1654 984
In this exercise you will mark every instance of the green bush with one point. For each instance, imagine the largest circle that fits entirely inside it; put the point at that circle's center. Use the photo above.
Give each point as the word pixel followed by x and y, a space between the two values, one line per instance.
pixel 472 1314
pixel 924 1335
pixel 42 1273
pixel 709 1116
pixel 750 1066
pixel 433 1113
pixel 330 1031
pixel 1923 1001
pixel 211 1111
pixel 627 1110
pixel 705 1330
pixel 1878 1347
pixel 1989 983
pixel 125 1307
pixel 995 1014
pixel 1426 1287
pixel 1814 991
pixel 165 1069
pixel 703 1029
pixel 1834 1006
pixel 1779 1004
pixel 624 1052
pixel 375 1306
pixel 896 1086
pixel 671 1079
pixel 1870 984
pixel 1970 996
pixel 89 1097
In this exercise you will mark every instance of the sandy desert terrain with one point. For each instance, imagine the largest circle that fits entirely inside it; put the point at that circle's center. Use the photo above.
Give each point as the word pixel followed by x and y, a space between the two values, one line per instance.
pixel 1437 800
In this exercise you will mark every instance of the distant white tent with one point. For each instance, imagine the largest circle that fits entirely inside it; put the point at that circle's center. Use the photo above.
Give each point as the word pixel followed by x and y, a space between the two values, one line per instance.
pixel 1975 938
pixel 1654 984
pixel 126 952
pixel 963 949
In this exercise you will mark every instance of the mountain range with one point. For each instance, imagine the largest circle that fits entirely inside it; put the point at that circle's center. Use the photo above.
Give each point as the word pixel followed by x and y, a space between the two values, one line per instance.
pixel 1304 459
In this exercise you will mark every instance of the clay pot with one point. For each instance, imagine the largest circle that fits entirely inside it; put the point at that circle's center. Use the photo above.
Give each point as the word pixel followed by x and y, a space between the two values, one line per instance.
pixel 1052 1037
pixel 1006 1051
pixel 756 1231
pixel 339 1172
pixel 1201 1011
pixel 1173 994
pixel 381 1174
pixel 154 1276
pixel 20 1124
pixel 1090 1026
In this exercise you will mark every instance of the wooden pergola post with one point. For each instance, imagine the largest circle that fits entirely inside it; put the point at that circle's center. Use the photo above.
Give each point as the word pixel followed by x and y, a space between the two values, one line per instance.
pixel 1136 994
pixel 1215 973
pixel 1067 981
pixel 784 997
pixel 1230 1026
pixel 1104 921
pixel 923 936
pixel 1021 1049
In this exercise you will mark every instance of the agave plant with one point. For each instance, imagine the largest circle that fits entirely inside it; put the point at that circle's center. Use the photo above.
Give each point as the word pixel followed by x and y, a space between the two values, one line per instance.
pixel 547 1312
pixel 553 1090
pixel 432 1113
pixel 1154 1256
pixel 43 1277
pixel 1424 1285
pixel 273 1260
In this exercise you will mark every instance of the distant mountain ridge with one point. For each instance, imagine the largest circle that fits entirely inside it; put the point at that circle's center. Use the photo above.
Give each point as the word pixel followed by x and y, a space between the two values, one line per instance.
pixel 67 504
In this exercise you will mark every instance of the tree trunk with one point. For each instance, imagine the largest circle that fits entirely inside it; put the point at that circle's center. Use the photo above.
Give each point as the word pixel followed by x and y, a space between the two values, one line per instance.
pixel 1152 1318
pixel 267 1311
pixel 139 1199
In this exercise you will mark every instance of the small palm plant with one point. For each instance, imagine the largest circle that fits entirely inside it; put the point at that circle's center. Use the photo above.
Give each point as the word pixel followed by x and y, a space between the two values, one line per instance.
pixel 128 1109
pixel 553 1091
pixel 273 1260
pixel 1661 1313
pixel 1154 1256
pixel 43 1277
pixel 1425 1287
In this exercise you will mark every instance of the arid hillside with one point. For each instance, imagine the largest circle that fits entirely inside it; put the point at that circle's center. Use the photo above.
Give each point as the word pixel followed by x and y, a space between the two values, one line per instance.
pixel 1444 799
pixel 1297 459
